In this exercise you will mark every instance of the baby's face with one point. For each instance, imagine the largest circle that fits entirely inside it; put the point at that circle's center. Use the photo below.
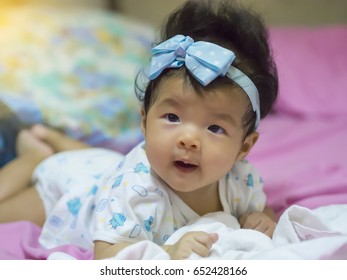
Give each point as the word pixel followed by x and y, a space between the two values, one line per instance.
pixel 192 141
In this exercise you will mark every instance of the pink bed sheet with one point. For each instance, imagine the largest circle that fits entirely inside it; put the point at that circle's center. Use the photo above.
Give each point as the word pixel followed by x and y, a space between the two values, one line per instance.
pixel 301 152
pixel 19 241
pixel 302 161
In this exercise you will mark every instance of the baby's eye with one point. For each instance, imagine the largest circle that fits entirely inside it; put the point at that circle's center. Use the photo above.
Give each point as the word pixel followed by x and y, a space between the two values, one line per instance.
pixel 172 117
pixel 216 129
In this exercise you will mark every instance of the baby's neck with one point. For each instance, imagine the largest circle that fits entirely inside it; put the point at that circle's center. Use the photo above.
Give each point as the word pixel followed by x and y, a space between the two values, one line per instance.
pixel 203 201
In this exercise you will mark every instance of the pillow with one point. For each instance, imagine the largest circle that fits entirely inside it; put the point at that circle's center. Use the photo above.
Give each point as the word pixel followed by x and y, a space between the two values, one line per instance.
pixel 312 67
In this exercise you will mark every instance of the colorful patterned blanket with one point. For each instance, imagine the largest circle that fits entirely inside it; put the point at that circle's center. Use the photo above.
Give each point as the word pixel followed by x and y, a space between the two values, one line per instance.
pixel 74 70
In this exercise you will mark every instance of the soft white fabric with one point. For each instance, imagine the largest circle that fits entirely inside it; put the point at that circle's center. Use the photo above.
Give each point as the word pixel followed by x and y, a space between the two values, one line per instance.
pixel 300 234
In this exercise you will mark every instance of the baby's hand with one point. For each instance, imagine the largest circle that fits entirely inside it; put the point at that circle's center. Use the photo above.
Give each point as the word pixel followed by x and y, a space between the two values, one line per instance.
pixel 196 241
pixel 258 221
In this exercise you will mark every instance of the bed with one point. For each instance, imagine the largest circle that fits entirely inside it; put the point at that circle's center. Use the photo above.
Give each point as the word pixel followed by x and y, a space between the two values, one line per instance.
pixel 74 70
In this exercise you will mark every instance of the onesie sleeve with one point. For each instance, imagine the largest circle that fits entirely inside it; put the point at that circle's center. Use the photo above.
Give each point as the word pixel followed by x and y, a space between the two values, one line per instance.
pixel 244 189
pixel 129 207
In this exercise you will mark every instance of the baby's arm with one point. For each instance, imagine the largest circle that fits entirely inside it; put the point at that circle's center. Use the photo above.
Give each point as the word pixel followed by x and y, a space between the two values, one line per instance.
pixel 197 242
pixel 264 222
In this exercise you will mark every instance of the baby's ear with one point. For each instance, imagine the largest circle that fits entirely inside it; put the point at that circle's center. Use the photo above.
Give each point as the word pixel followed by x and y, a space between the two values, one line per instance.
pixel 247 145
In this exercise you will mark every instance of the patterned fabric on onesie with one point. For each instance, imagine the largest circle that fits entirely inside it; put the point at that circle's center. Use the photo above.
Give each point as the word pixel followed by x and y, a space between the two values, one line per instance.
pixel 134 204
pixel 67 183
pixel 97 194
pixel 241 190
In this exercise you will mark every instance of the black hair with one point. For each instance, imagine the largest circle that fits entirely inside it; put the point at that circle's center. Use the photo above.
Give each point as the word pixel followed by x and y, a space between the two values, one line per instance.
pixel 231 26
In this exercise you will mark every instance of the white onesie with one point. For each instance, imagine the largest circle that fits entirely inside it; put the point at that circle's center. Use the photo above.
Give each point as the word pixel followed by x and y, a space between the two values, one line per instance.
pixel 98 195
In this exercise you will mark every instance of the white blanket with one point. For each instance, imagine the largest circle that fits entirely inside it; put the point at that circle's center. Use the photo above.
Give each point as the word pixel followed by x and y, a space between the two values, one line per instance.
pixel 300 234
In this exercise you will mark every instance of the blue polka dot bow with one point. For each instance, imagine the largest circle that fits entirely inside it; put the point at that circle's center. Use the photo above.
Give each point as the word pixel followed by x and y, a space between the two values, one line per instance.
pixel 205 61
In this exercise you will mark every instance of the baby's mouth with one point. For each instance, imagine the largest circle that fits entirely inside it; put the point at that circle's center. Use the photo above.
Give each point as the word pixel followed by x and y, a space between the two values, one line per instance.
pixel 184 166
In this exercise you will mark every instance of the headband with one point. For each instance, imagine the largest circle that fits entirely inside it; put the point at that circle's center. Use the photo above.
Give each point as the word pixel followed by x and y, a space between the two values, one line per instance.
pixel 205 61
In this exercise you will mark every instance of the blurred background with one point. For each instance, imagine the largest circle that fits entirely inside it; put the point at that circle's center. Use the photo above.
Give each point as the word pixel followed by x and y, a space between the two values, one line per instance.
pixel 275 12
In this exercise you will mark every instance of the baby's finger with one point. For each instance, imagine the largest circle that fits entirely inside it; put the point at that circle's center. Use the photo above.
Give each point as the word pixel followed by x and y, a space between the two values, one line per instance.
pixel 269 232
pixel 214 237
pixel 204 238
pixel 261 226
pixel 200 249
pixel 251 224
pixel 203 243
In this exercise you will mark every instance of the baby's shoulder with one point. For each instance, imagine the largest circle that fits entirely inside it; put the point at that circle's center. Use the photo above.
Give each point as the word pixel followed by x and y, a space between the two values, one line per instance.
pixel 244 173
pixel 243 167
